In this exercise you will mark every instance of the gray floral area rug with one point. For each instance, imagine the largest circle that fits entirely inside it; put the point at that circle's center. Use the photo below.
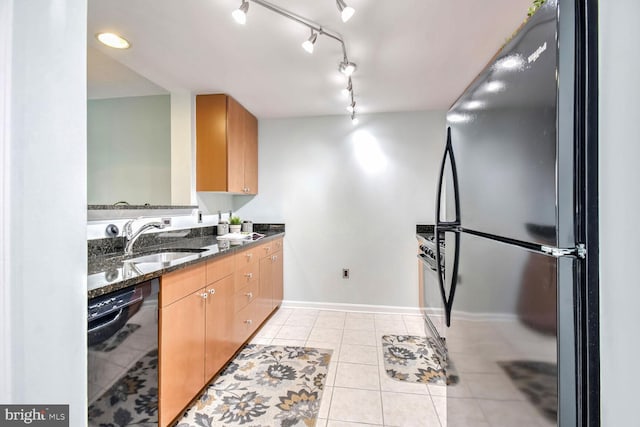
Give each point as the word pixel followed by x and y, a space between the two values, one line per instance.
pixel 132 400
pixel 538 381
pixel 412 358
pixel 264 386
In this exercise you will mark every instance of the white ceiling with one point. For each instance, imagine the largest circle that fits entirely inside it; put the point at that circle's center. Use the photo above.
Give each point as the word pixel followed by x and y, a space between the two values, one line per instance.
pixel 411 54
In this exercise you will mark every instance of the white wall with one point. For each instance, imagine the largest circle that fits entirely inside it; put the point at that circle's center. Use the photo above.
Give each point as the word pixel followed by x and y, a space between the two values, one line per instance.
pixel 350 197
pixel 619 153
pixel 47 205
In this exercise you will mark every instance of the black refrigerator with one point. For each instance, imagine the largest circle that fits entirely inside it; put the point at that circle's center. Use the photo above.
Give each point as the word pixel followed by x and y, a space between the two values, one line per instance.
pixel 508 210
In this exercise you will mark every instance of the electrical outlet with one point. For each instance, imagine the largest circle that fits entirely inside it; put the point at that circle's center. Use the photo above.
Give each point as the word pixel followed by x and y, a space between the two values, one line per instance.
pixel 345 273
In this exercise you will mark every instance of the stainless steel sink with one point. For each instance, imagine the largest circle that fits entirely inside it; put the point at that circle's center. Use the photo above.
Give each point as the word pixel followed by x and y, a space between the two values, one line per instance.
pixel 164 257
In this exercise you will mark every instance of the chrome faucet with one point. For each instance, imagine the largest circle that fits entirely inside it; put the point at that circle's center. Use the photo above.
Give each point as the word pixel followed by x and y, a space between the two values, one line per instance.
pixel 131 237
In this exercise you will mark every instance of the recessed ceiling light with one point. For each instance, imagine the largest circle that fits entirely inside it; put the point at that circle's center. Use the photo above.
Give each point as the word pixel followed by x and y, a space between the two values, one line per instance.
pixel 113 40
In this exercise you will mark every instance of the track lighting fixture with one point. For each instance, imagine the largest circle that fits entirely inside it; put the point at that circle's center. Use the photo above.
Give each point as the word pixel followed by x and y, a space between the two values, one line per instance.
pixel 240 14
pixel 346 12
pixel 308 44
pixel 347 68
pixel 354 119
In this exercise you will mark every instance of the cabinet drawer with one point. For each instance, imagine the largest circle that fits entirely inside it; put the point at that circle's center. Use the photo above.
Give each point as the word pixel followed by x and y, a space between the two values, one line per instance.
pixel 219 268
pixel 245 323
pixel 247 257
pixel 180 283
pixel 245 296
pixel 246 275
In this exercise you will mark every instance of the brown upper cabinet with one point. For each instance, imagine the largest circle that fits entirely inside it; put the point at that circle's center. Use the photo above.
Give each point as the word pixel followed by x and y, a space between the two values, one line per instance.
pixel 226 146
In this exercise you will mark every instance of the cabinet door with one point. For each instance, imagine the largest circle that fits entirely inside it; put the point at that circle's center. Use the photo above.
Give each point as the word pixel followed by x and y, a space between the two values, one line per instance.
pixel 236 137
pixel 264 304
pixel 251 154
pixel 211 142
pixel 219 318
pixel 181 353
pixel 277 277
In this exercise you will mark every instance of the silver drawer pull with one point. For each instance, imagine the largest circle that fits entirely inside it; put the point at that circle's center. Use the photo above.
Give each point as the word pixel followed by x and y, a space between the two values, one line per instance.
pixel 248 321
pixel 248 275
pixel 212 291
pixel 204 295
pixel 249 295
pixel 249 255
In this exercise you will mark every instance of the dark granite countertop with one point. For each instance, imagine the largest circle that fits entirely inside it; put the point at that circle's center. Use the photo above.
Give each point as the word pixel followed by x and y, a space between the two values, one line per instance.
pixel 110 272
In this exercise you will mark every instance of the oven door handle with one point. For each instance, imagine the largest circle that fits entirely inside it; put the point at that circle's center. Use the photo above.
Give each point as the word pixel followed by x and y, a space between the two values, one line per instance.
pixel 109 322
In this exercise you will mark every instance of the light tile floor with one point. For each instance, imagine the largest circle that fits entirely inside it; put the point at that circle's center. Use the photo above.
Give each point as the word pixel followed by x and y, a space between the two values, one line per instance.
pixel 358 391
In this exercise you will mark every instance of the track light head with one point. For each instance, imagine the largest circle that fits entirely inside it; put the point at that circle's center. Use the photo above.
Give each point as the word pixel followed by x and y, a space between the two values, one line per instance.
pixel 346 12
pixel 354 119
pixel 351 108
pixel 347 91
pixel 240 14
pixel 308 44
pixel 347 68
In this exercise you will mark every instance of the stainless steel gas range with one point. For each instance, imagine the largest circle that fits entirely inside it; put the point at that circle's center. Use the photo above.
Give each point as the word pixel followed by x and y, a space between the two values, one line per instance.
pixel 431 303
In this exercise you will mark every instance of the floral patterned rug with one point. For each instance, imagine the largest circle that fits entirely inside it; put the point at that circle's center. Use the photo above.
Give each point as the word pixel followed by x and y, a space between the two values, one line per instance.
pixel 133 399
pixel 412 358
pixel 264 386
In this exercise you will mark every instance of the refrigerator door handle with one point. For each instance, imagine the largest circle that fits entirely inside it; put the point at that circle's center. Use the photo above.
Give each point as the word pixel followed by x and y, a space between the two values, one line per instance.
pixel 448 152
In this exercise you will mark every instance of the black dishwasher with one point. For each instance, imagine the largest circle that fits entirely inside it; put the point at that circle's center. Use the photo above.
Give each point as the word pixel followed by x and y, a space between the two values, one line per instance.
pixel 122 338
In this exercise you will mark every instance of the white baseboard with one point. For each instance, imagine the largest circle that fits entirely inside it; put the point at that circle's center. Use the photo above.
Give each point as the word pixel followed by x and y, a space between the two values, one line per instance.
pixel 356 308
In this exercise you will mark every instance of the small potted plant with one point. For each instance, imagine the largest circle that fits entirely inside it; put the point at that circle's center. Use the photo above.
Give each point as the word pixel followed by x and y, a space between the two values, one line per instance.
pixel 235 224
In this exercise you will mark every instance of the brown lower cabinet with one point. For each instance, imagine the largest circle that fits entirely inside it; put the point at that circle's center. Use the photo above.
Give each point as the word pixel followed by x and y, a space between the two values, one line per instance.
pixel 207 312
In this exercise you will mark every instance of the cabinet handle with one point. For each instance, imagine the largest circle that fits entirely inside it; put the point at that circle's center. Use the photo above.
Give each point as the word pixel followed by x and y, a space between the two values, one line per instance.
pixel 212 291
pixel 267 248
pixel 249 255
pixel 248 275
pixel 248 321
pixel 204 295
pixel 249 295
pixel 274 258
